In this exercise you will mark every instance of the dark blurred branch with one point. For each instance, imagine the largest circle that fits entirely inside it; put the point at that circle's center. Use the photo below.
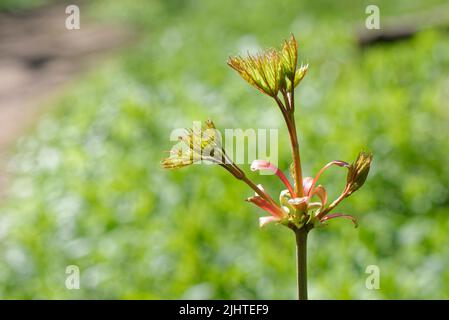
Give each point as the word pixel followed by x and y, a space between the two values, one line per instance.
pixel 404 26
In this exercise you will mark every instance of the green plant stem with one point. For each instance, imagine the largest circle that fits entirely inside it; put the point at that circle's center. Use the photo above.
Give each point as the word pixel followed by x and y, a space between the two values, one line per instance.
pixel 301 261
pixel 291 126
pixel 292 95
pixel 296 157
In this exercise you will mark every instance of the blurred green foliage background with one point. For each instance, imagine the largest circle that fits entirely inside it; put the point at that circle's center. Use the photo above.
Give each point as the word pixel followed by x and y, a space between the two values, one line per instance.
pixel 88 189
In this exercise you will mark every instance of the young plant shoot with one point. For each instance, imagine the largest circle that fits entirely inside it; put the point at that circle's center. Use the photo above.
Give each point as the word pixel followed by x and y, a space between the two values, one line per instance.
pixel 304 204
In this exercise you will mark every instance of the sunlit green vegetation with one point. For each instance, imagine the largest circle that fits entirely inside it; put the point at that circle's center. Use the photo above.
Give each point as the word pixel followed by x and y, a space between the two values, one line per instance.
pixel 88 189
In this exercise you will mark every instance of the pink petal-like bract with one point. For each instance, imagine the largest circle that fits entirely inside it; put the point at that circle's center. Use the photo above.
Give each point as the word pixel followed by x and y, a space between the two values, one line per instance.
pixel 321 193
pixel 265 205
pixel 335 162
pixel 265 220
pixel 266 165
pixel 306 184
pixel 340 215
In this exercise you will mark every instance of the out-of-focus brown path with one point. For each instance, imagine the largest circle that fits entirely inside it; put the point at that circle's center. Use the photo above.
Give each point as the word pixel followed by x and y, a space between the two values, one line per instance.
pixel 37 56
